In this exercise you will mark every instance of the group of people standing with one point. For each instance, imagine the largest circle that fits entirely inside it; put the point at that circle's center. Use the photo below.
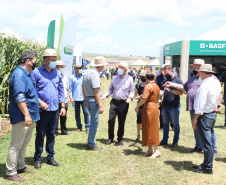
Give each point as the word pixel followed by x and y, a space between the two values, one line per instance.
pixel 39 96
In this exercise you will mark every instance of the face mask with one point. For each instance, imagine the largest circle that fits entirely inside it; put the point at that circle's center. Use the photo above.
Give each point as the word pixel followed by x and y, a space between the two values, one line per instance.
pixel 52 64
pixel 162 72
pixel 34 65
pixel 120 71
pixel 80 71
pixel 194 72
pixel 143 79
pixel 168 76
pixel 200 78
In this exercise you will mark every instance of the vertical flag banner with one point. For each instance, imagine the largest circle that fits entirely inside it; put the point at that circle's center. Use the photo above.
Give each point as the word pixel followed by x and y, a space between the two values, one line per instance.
pixel 68 44
pixel 51 34
pixel 60 34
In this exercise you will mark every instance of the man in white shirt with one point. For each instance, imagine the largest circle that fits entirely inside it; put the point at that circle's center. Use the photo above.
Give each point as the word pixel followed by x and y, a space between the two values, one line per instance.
pixel 206 103
pixel 63 119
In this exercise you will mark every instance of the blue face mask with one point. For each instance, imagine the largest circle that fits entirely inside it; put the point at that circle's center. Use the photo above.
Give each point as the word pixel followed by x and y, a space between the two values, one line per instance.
pixel 52 64
pixel 120 71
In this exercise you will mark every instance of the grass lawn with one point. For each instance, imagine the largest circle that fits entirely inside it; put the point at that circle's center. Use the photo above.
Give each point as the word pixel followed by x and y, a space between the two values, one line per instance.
pixel 121 164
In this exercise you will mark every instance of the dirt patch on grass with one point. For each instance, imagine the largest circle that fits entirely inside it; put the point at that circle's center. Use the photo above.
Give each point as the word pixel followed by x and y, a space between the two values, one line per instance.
pixel 5 126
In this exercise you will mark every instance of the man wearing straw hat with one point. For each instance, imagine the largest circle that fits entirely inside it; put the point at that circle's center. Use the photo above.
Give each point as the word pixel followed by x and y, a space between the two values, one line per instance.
pixel 92 96
pixel 50 89
pixel 123 92
pixel 63 119
pixel 76 97
pixel 205 116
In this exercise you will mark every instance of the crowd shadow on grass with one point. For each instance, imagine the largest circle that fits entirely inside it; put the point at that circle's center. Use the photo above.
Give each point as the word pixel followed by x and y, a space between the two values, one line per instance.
pixel 221 159
pixel 103 141
pixel 2 170
pixel 180 165
pixel 137 151
pixel 180 149
pixel 30 160
pixel 71 129
pixel 80 146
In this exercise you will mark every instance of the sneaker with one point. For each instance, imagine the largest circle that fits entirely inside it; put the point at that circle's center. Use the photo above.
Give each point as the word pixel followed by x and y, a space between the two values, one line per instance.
pixel 215 154
pixel 196 149
pixel 163 143
pixel 174 145
pixel 14 177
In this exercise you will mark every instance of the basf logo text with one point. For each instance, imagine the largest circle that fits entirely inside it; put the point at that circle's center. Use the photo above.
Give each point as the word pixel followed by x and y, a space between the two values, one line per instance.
pixel 212 45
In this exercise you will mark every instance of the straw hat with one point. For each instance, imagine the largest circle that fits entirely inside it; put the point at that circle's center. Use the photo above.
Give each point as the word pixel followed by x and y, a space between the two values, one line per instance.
pixel 143 73
pixel 60 63
pixel 199 62
pixel 206 68
pixel 49 53
pixel 123 64
pixel 163 65
pixel 77 65
pixel 99 61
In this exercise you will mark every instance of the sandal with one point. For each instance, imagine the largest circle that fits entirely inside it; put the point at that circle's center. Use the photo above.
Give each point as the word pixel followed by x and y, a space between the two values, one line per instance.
pixel 138 138
pixel 155 155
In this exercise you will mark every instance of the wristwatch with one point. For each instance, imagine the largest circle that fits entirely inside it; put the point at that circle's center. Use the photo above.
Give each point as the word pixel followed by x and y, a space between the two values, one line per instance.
pixel 218 106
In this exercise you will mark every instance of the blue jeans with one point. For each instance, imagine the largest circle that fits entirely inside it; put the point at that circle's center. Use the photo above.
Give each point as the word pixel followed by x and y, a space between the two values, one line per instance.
pixel 85 112
pixel 205 126
pixel 196 134
pixel 45 126
pixel 167 115
pixel 94 120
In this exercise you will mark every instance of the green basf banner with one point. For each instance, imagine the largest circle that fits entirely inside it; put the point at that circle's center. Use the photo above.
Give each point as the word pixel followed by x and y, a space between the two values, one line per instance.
pixel 202 47
pixel 172 49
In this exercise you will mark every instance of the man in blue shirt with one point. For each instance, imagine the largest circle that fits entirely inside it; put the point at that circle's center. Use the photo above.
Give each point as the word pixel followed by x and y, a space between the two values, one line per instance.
pixel 76 97
pixel 24 112
pixel 50 89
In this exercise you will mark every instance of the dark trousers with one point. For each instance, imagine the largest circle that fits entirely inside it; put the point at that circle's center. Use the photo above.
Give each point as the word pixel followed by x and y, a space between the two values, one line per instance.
pixel 160 117
pixel 45 126
pixel 205 126
pixel 119 108
pixel 63 120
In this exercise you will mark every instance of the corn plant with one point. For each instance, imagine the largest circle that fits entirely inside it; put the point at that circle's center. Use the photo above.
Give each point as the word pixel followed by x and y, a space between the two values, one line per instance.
pixel 10 52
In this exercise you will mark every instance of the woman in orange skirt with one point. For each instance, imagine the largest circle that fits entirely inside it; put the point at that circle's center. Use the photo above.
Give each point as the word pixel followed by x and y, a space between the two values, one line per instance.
pixel 150 116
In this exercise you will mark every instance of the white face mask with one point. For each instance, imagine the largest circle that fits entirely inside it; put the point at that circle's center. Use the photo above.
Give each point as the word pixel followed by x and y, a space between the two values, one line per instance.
pixel 120 71
pixel 162 72
pixel 80 71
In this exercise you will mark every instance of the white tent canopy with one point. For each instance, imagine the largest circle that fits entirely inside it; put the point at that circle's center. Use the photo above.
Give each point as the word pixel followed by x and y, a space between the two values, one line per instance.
pixel 154 63
pixel 216 34
pixel 140 63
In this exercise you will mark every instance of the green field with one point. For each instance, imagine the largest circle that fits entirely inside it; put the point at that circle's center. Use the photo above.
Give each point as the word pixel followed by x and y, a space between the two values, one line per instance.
pixel 121 164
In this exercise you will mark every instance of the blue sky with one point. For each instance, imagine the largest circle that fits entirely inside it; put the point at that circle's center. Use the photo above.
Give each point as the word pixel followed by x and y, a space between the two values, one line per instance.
pixel 124 27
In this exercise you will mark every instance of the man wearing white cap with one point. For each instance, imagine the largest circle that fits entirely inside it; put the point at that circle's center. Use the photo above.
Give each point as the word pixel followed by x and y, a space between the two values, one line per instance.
pixel 63 119
pixel 92 97
pixel 205 116
pixel 50 89
pixel 123 92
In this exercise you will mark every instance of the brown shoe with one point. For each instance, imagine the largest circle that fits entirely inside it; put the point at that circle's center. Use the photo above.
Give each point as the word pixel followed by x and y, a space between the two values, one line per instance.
pixel 25 170
pixel 79 130
pixel 94 148
pixel 87 131
pixel 14 177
